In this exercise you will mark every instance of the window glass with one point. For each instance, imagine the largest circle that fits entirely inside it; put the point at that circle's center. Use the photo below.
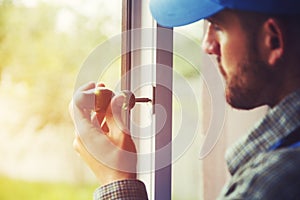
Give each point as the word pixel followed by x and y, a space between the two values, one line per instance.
pixel 187 92
pixel 43 44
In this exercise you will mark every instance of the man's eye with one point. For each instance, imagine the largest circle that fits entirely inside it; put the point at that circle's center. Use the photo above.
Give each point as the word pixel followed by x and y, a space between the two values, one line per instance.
pixel 216 27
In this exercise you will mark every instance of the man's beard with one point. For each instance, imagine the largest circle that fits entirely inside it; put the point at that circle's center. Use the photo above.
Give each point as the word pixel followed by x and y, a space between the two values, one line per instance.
pixel 246 89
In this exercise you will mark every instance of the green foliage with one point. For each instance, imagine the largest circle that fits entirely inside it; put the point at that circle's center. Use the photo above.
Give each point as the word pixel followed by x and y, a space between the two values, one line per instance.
pixel 37 54
pixel 11 189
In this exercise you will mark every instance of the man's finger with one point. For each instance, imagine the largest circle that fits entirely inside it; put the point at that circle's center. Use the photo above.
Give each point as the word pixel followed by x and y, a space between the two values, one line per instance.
pixel 84 97
pixel 115 114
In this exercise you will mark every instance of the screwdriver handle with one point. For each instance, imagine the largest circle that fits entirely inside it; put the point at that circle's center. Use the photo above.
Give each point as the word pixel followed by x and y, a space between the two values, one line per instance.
pixel 103 97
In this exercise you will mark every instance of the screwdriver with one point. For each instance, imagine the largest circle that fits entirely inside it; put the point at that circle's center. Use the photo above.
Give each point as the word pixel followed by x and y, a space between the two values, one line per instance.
pixel 103 97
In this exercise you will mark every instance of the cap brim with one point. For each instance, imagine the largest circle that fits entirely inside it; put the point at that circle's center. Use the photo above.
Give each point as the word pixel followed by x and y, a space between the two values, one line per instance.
pixel 172 13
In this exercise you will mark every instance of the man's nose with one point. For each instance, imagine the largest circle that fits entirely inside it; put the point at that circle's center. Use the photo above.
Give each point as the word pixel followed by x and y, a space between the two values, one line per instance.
pixel 210 45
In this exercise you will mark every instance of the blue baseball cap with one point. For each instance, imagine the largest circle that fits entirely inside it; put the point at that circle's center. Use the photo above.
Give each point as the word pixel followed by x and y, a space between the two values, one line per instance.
pixel 171 13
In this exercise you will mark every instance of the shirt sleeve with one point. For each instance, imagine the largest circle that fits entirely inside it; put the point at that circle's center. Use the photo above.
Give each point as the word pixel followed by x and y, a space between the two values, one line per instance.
pixel 124 189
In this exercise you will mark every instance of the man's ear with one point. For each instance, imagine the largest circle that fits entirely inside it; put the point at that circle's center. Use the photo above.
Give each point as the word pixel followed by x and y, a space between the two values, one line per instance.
pixel 273 41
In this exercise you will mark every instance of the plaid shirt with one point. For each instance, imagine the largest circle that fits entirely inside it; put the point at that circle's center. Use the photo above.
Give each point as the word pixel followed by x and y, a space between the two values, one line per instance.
pixel 257 172
pixel 260 173
pixel 122 190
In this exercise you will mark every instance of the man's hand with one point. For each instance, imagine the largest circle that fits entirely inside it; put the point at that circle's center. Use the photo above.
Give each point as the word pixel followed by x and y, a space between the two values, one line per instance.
pixel 102 139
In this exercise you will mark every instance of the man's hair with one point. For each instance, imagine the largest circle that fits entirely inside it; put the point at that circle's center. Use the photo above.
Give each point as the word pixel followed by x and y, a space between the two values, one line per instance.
pixel 250 21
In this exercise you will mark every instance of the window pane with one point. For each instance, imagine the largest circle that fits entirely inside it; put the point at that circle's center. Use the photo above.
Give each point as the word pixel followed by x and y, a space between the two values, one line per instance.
pixel 187 90
pixel 42 47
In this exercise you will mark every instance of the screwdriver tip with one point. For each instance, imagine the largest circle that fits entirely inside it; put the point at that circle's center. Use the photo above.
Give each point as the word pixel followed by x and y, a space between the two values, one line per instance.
pixel 142 100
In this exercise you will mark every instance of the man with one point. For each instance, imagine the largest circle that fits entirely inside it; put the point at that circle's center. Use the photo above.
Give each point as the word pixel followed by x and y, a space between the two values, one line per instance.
pixel 256 44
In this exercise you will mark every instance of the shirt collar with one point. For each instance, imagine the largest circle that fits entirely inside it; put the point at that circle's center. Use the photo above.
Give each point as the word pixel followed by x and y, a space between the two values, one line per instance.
pixel 277 124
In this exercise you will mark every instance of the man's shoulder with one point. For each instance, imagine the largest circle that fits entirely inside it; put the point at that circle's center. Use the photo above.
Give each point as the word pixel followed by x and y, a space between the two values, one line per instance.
pixel 277 158
pixel 276 174
pixel 269 175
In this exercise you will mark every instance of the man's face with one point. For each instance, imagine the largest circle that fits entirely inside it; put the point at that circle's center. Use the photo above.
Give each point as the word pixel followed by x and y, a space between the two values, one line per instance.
pixel 239 62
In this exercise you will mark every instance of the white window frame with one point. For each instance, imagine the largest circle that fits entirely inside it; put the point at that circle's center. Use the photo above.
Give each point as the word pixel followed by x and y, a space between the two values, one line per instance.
pixel 158 182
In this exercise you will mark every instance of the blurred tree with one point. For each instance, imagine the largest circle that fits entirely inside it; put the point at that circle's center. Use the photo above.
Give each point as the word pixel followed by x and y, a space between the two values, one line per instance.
pixel 43 49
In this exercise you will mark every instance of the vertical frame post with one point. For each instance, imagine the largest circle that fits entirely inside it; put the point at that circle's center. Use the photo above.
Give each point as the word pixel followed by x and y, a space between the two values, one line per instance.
pixel 126 43
pixel 163 93
pixel 163 97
